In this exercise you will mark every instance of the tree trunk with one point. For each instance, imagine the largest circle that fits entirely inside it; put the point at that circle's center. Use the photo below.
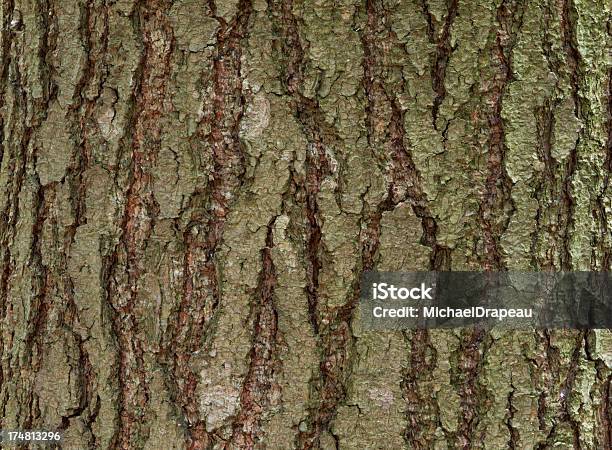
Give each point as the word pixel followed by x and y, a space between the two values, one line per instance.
pixel 190 191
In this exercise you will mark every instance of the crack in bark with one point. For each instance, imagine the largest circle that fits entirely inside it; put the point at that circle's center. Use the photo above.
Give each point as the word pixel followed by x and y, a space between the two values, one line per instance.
pixel 331 325
pixel 498 185
pixel 259 382
pixel 605 247
pixel 405 185
pixel 568 387
pixel 320 135
pixel 124 266
pixel 606 413
pixel 566 390
pixel 547 368
pixel 573 61
pixel 470 358
pixel 547 189
pixel 42 281
pixel 202 238
pixel 442 55
pixel 81 161
pixel 514 434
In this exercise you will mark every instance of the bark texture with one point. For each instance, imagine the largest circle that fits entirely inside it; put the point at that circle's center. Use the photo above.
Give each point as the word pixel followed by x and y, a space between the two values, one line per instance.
pixel 190 190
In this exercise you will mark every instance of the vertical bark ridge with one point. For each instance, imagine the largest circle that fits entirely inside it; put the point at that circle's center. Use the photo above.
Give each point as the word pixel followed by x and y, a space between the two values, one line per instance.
pixel 10 24
pixel 125 265
pixel 202 237
pixel 514 433
pixel 405 179
pixel 42 284
pixel 319 135
pixel 606 413
pixel 8 212
pixel 555 190
pixel 26 115
pixel 496 209
pixel 564 415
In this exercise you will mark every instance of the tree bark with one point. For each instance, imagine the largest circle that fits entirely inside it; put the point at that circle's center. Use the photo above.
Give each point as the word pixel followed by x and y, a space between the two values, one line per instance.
pixel 190 192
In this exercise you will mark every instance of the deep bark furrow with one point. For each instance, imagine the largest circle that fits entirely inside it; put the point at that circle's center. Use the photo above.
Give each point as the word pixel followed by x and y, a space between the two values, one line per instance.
pixel 443 52
pixel 26 115
pixel 139 216
pixel 201 296
pixel 470 359
pixel 10 24
pixel 573 59
pixel 331 326
pixel 259 382
pixel 319 136
pixel 81 114
pixel 606 413
pixel 405 185
pixel 514 433
pixel 497 197
pixel 547 188
pixel 41 282
pixel 567 388
pixel 605 246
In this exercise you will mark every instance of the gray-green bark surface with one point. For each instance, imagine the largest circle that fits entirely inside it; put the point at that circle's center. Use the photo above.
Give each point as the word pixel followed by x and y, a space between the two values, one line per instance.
pixel 190 190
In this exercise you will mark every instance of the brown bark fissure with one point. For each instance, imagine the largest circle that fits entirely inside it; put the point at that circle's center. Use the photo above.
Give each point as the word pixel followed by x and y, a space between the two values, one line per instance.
pixel 573 61
pixel 405 179
pixel 556 189
pixel 444 49
pixel 498 185
pixel 125 265
pixel 547 370
pixel 259 382
pixel 331 325
pixel 470 358
pixel 514 433
pixel 496 200
pixel 42 284
pixel 548 187
pixel 319 135
pixel 604 378
pixel 606 413
pixel 405 186
pixel 600 213
pixel 201 294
